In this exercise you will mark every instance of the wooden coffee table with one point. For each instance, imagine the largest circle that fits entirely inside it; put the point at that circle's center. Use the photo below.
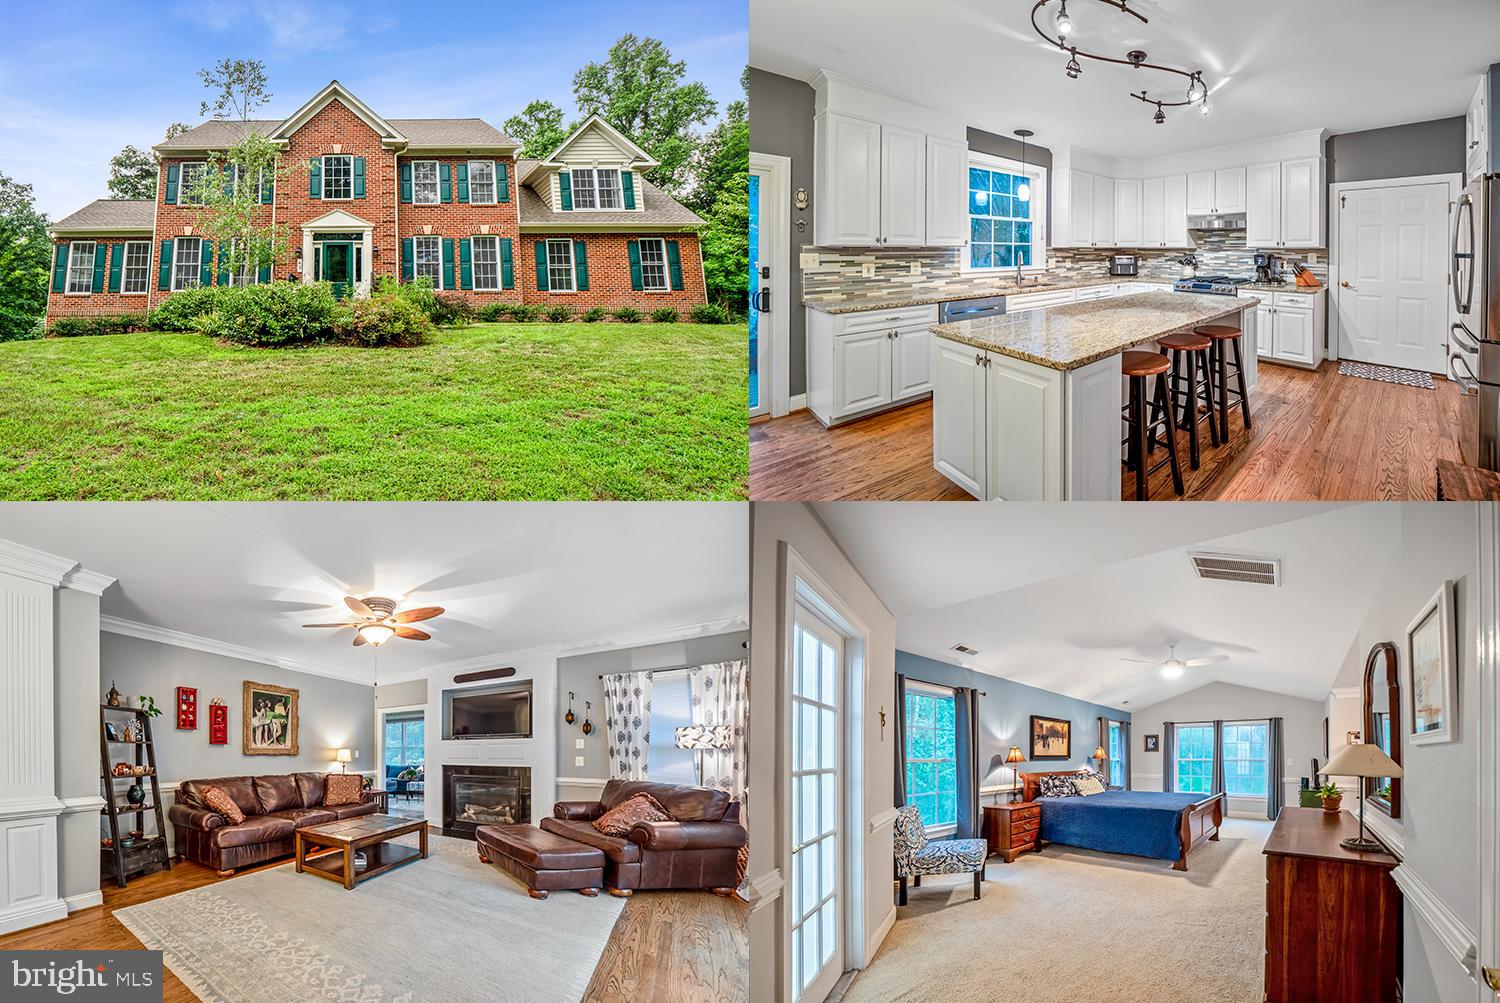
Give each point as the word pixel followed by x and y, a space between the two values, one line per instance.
pixel 369 833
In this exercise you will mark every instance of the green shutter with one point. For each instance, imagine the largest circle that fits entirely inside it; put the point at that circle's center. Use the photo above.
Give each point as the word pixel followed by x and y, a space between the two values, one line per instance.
pixel 164 276
pixel 315 178
pixel 463 182
pixel 627 185
pixel 60 269
pixel 116 263
pixel 408 258
pixel 507 265
pixel 502 182
pixel 265 274
pixel 445 181
pixel 565 186
pixel 541 265
pixel 206 263
pixel 267 186
pixel 406 182
pixel 674 264
pixel 465 264
pixel 634 247
pixel 447 262
pixel 97 285
pixel 581 266
pixel 173 172
pixel 359 177
pixel 224 265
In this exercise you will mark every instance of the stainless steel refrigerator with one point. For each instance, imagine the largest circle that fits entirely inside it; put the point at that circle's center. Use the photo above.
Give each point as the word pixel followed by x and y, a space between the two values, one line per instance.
pixel 1474 362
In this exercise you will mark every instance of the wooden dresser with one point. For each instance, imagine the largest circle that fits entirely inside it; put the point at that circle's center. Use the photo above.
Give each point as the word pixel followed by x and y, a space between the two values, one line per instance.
pixel 1332 915
pixel 1012 829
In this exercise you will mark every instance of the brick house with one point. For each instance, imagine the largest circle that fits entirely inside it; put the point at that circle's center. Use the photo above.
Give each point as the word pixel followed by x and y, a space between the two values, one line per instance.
pixel 442 198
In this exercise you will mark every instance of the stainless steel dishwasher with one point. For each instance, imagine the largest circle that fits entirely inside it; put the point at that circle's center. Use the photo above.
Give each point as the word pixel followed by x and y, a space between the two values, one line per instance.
pixel 971 309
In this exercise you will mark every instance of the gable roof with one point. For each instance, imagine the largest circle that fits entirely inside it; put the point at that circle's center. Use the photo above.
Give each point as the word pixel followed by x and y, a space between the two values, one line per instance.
pixel 109 216
pixel 639 157
pixel 335 91
pixel 658 210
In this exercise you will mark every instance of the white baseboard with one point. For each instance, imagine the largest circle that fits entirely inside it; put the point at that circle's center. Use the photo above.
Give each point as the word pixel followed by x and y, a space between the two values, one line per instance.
pixel 87 900
pixel 24 917
pixel 878 937
pixel 797 403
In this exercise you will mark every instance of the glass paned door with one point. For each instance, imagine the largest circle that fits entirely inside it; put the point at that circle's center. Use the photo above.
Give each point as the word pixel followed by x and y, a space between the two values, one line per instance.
pixel 757 256
pixel 1116 748
pixel 816 888
pixel 338 266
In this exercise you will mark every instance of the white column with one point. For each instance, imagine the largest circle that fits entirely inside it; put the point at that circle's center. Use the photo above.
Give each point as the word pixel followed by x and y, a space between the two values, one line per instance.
pixel 77 716
pixel 366 262
pixel 307 256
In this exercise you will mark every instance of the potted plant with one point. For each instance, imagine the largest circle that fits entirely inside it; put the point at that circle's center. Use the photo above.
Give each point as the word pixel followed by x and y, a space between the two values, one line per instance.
pixel 1331 795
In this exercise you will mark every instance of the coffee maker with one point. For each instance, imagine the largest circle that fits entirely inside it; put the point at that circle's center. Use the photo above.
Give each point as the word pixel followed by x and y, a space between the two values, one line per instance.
pixel 1268 269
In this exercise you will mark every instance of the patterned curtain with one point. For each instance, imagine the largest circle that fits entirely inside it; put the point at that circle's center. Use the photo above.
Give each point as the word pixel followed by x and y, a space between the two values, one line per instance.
pixel 721 696
pixel 627 723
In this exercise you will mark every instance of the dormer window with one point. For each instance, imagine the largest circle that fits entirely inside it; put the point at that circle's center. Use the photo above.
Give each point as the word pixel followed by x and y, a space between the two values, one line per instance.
pixel 596 188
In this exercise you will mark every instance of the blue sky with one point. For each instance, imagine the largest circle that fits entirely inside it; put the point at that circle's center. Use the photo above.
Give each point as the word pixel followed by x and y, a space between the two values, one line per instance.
pixel 81 80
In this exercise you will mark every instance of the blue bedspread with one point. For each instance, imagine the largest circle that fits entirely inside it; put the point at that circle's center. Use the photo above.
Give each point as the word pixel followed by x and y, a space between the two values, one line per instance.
pixel 1142 823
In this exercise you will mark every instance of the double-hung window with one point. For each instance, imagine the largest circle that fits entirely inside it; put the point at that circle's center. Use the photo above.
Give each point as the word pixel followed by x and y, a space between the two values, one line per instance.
pixel 429 259
pixel 607 179
pixel 596 188
pixel 560 266
pixel 135 277
pixel 1246 769
pixel 338 176
pixel 482 182
pixel 1194 759
pixel 243 274
pixel 653 264
pixel 81 266
pixel 932 755
pixel 186 259
pixel 1006 206
pixel 584 196
pixel 192 174
pixel 405 743
pixel 486 262
pixel 1119 750
pixel 424 183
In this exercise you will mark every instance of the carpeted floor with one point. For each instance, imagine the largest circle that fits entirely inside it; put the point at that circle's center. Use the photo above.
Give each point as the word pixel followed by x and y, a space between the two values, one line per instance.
pixel 1069 924
pixel 444 928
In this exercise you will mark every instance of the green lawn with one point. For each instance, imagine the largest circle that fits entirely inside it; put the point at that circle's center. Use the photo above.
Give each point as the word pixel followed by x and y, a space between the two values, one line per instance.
pixel 493 411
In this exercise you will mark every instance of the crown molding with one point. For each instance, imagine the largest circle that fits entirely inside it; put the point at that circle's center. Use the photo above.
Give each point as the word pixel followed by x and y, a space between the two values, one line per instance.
pixel 34 565
pixel 81 579
pixel 181 639
pixel 1346 692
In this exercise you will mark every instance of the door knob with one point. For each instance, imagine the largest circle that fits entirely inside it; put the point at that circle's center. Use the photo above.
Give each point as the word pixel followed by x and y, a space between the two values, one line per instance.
pixel 1492 978
pixel 1346 285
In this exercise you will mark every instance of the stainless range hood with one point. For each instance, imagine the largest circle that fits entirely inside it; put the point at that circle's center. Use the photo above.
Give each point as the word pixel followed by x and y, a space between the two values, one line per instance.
pixel 1231 222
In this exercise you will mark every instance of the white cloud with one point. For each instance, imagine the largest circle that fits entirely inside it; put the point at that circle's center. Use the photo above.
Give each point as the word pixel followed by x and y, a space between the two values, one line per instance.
pixel 65 157
pixel 292 26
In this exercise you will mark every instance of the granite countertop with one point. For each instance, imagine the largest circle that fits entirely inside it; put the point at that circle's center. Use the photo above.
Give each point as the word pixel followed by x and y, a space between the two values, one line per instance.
pixel 962 289
pixel 1285 287
pixel 1076 334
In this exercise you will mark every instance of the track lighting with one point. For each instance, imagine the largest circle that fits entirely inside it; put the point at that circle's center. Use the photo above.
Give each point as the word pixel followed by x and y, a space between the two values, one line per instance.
pixel 1064 22
pixel 1204 109
pixel 1160 118
pixel 1073 68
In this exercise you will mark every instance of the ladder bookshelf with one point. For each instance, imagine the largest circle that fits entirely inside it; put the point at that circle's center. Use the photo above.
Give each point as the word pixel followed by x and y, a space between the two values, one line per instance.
pixel 149 851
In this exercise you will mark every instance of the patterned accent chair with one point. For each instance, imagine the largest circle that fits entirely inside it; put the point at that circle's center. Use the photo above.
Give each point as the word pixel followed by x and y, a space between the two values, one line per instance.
pixel 916 855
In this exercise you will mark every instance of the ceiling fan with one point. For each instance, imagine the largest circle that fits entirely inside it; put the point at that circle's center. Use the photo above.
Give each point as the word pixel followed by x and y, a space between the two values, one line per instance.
pixel 378 620
pixel 1173 667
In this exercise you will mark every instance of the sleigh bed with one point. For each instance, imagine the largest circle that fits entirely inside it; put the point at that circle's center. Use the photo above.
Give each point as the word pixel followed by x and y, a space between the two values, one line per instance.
pixel 1152 824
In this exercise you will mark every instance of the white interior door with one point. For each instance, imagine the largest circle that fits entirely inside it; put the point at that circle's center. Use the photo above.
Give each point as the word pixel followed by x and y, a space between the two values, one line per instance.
pixel 761 292
pixel 816 890
pixel 770 288
pixel 1392 293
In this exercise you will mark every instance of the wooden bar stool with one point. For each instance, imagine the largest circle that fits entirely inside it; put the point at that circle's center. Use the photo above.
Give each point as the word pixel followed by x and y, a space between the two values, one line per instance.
pixel 1223 337
pixel 1144 419
pixel 1191 385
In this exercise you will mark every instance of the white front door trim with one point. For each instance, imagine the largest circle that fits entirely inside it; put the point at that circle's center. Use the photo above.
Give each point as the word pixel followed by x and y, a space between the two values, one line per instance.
pixel 339 221
pixel 776 326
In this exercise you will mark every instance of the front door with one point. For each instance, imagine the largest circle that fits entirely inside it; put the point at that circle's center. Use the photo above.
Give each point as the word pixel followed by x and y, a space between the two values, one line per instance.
pixel 338 265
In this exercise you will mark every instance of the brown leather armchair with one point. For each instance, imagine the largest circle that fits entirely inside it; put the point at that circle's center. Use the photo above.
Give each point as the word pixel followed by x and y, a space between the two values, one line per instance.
pixel 698 849
pixel 275 808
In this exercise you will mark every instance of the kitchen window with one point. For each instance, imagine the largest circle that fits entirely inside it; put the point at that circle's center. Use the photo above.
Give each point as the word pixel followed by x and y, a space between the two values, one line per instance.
pixel 192 174
pixel 560 266
pixel 1006 204
pixel 424 182
pixel 338 176
pixel 486 262
pixel 429 259
pixel 932 756
pixel 136 277
pixel 186 258
pixel 482 182
pixel 81 266
pixel 653 265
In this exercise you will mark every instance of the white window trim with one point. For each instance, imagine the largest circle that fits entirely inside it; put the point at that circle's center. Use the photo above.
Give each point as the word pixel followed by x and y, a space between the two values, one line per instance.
pixel 1039 189
pixel 125 267
pixel 666 266
pixel 73 246
pixel 437 280
pixel 437 179
pixel 619 187
pixel 1177 760
pixel 177 260
pixel 182 184
pixel 941 692
pixel 572 268
pixel 474 262
pixel 494 183
pixel 323 177
pixel 1265 761
pixel 252 275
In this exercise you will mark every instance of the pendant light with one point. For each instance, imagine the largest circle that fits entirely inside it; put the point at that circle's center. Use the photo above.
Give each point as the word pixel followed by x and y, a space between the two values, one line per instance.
pixel 1023 190
pixel 1064 22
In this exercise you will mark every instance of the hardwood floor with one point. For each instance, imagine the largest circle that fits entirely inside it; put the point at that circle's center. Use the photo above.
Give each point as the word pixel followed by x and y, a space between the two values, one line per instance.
pixel 669 946
pixel 1314 436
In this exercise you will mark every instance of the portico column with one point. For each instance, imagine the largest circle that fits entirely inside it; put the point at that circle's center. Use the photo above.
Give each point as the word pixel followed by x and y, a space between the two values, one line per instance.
pixel 367 258
pixel 307 256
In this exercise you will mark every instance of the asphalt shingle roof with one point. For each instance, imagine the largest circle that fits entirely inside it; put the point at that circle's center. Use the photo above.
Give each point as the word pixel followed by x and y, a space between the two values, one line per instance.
pixel 110 215
pixel 658 208
pixel 421 132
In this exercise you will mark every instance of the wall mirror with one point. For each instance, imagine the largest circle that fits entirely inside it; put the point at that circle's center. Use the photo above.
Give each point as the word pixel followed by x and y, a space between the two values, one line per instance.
pixel 1382 698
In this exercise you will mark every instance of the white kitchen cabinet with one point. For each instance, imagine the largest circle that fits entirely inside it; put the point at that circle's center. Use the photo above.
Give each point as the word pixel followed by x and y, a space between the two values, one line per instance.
pixel 1128 229
pixel 847 179
pixel 1200 193
pixel 1083 210
pixel 1024 408
pixel 1153 212
pixel 1263 205
pixel 861 363
pixel 1175 209
pixel 1265 328
pixel 1104 212
pixel 1018 303
pixel 1229 191
pixel 960 439
pixel 911 362
pixel 1293 337
pixel 1284 204
pixel 947 192
pixel 903 187
pixel 1477 137
pixel 861 371
pixel 1289 328
pixel 1095 293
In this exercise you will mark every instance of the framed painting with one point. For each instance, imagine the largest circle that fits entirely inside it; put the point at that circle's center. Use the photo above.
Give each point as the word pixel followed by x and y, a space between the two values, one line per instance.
pixel 1051 738
pixel 1432 672
pixel 270 720
pixel 1153 743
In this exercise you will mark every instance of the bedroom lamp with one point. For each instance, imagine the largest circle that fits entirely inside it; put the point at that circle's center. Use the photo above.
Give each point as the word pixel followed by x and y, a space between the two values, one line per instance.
pixel 343 757
pixel 1013 757
pixel 1100 756
pixel 1362 760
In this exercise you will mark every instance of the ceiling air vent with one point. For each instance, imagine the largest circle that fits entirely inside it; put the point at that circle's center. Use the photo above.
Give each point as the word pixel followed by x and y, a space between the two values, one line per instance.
pixel 1237 568
pixel 964 649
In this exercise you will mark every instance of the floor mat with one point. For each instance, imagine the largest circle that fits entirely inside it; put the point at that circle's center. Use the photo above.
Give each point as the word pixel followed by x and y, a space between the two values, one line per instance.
pixel 1386 374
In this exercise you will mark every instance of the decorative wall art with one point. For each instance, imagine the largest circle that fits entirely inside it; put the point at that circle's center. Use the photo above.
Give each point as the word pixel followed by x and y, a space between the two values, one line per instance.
pixel 1432 672
pixel 187 708
pixel 1051 738
pixel 1153 743
pixel 218 722
pixel 270 720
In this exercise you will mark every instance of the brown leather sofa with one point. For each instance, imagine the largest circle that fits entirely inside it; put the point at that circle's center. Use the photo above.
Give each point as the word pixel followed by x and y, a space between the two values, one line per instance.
pixel 699 849
pixel 275 807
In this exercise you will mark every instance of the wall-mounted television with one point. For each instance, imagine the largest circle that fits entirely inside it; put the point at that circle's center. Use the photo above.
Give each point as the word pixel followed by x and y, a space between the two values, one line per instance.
pixel 488 712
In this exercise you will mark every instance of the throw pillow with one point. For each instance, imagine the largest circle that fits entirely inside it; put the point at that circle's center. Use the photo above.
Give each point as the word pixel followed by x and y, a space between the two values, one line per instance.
pixel 1091 772
pixel 620 819
pixel 342 788
pixel 1086 785
pixel 1058 787
pixel 223 804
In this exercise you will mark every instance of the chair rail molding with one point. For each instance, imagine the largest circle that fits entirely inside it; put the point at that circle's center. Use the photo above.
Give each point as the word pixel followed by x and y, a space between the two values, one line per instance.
pixel 882 820
pixel 764 889
pixel 1457 938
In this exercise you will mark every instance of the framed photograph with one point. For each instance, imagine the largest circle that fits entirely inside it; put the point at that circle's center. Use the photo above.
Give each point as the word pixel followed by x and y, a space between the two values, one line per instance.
pixel 1432 672
pixel 1051 738
pixel 1153 743
pixel 270 720
pixel 112 732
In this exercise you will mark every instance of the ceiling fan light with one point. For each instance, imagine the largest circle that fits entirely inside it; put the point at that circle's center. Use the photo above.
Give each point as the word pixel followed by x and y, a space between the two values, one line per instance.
pixel 1171 670
pixel 376 633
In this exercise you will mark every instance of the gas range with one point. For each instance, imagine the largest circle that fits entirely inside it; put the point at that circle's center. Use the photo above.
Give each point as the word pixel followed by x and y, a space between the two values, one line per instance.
pixel 1211 285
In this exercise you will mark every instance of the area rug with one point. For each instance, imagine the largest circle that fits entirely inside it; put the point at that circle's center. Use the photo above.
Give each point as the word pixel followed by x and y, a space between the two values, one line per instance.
pixel 444 928
pixel 1069 924
pixel 1386 374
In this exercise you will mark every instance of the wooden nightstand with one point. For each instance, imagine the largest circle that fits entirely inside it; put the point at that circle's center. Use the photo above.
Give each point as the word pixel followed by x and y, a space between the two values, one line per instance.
pixel 1012 829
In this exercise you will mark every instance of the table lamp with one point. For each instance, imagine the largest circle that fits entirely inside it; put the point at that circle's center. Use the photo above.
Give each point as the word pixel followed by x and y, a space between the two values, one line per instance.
pixel 344 757
pixel 1013 757
pixel 700 738
pixel 1362 760
pixel 1100 755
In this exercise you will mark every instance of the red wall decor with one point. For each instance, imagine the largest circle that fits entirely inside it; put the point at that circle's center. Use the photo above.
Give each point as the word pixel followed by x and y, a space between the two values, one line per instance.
pixel 187 708
pixel 218 724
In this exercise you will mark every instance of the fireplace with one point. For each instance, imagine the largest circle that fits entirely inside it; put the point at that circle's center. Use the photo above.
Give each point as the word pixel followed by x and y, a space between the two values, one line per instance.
pixel 484 795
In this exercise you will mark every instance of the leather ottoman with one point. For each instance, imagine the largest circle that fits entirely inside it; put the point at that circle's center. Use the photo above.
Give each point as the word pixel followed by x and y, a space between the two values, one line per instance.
pixel 545 861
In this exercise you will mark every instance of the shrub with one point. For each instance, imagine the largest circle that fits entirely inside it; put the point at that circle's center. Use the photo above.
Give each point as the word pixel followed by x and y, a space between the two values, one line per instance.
pixel 179 310
pixel 628 315
pixel 494 311
pixel 75 327
pixel 383 319
pixel 525 314
pixel 281 313
pixel 419 293
pixel 709 313
pixel 19 328
pixel 594 314
pixel 559 313
pixel 453 310
pixel 664 315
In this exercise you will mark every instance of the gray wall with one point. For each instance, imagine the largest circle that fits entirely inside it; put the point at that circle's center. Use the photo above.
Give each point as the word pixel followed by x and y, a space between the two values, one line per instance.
pixel 1005 712
pixel 331 713
pixel 407 694
pixel 1010 148
pixel 580 675
pixel 781 123
pixel 1398 151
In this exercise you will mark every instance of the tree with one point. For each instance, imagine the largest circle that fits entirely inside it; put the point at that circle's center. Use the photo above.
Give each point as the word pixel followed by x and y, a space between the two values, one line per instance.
pixel 177 129
pixel 25 258
pixel 241 86
pixel 230 213
pixel 132 175
pixel 726 244
pixel 539 128
pixel 723 155
pixel 639 89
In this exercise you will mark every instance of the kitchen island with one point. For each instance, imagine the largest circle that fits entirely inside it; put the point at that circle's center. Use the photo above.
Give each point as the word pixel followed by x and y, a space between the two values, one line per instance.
pixel 1026 406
